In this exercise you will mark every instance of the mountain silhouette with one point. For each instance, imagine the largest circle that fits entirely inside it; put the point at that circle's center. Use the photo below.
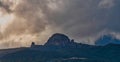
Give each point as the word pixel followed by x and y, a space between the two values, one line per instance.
pixel 58 40
pixel 60 48
pixel 107 39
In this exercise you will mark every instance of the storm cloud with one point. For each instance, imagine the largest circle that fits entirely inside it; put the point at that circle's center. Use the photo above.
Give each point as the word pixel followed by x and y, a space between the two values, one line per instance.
pixel 81 18
pixel 39 19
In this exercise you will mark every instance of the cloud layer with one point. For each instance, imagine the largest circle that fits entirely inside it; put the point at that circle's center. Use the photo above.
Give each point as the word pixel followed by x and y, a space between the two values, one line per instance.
pixel 38 19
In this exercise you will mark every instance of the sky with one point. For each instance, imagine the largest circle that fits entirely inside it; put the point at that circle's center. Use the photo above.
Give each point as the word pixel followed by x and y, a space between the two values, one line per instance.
pixel 25 21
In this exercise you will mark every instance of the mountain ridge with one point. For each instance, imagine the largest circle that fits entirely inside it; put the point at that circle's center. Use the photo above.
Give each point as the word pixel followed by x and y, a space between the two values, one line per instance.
pixel 63 51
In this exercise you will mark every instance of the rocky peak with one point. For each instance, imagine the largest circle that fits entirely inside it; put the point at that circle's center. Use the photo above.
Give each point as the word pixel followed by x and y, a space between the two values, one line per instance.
pixel 58 40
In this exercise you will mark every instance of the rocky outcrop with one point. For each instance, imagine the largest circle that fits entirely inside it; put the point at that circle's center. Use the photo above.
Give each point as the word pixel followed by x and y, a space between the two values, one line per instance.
pixel 61 40
pixel 58 40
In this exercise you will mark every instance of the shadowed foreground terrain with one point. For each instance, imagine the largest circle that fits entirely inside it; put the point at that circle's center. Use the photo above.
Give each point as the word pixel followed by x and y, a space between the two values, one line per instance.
pixel 59 48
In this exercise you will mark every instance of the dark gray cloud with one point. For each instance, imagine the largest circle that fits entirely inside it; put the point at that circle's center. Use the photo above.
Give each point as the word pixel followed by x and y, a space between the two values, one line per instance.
pixel 5 7
pixel 85 18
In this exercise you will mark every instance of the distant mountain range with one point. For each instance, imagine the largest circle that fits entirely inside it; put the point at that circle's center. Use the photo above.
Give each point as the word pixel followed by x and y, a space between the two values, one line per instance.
pixel 59 48
pixel 107 39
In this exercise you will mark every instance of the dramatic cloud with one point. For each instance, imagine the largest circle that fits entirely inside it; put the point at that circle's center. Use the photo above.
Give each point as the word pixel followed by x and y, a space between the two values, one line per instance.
pixel 85 18
pixel 36 20
pixel 5 7
pixel 28 20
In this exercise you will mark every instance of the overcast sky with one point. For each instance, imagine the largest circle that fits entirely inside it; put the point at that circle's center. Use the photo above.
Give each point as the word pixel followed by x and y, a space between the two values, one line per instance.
pixel 24 21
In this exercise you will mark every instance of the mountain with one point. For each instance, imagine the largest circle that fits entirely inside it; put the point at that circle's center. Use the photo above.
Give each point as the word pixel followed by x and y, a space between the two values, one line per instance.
pixel 63 41
pixel 60 48
pixel 58 40
pixel 107 39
